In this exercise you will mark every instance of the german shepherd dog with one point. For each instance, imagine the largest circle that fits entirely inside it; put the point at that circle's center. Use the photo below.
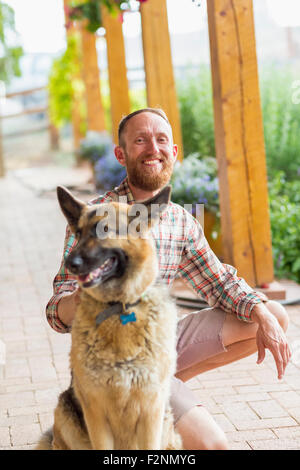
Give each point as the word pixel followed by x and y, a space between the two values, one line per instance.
pixel 123 352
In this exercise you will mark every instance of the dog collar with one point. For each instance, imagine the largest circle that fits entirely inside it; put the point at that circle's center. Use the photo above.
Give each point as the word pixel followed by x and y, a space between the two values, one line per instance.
pixel 118 308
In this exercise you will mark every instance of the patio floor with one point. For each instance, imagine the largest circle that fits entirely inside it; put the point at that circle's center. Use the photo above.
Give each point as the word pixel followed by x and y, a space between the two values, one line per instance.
pixel 255 410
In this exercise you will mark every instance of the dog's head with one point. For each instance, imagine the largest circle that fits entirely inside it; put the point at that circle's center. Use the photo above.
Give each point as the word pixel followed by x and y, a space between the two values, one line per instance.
pixel 115 257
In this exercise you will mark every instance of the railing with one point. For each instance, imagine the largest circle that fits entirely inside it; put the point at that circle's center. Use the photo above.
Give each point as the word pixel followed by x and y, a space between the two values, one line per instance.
pixel 53 132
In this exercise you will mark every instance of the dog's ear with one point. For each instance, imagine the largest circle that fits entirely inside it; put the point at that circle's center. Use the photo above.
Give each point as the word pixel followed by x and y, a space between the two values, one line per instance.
pixel 163 197
pixel 70 205
pixel 145 214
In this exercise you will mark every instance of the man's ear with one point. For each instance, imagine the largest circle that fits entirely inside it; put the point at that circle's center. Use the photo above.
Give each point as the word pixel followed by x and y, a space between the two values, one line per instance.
pixel 70 205
pixel 120 155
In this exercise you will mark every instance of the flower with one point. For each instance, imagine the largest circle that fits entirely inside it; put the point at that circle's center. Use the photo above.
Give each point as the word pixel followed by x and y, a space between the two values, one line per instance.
pixel 195 181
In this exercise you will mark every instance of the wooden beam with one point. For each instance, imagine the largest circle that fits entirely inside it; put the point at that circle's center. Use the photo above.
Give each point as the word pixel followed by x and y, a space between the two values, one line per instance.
pixel 91 77
pixel 160 82
pixel 118 82
pixel 239 138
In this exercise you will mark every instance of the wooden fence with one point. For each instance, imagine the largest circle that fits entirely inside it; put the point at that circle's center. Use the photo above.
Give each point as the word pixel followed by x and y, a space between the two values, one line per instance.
pixel 53 132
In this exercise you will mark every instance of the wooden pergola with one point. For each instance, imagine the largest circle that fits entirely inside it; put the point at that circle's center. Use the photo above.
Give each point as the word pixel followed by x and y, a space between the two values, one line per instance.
pixel 239 136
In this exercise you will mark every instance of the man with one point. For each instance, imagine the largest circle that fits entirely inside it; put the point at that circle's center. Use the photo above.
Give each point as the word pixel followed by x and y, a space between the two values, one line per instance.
pixel 207 339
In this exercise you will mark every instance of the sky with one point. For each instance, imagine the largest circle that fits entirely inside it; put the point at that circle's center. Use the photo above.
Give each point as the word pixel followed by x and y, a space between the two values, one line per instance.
pixel 40 23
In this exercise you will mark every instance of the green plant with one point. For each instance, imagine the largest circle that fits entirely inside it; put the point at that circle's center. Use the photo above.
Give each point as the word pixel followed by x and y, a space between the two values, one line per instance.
pixel 66 86
pixel 194 181
pixel 281 117
pixel 90 11
pixel 284 197
pixel 10 52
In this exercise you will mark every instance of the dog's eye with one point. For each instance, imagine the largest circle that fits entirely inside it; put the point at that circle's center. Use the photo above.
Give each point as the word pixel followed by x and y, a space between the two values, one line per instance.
pixel 78 234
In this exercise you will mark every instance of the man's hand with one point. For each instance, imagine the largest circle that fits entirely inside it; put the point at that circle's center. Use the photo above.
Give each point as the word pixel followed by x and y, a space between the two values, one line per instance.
pixel 67 307
pixel 271 336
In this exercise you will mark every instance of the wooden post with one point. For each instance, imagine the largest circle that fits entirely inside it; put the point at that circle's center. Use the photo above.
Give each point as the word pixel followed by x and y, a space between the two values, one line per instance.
pixel 54 137
pixel 118 82
pixel 239 138
pixel 91 77
pixel 160 82
pixel 76 119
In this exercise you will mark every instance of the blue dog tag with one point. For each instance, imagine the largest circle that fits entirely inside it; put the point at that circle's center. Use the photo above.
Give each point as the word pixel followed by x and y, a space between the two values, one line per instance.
pixel 128 318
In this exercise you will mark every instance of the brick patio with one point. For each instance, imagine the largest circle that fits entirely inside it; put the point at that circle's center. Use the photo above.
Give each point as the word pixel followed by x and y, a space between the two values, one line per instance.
pixel 254 409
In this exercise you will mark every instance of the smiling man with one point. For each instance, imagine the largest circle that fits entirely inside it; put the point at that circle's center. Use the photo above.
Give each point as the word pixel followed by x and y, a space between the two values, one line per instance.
pixel 238 321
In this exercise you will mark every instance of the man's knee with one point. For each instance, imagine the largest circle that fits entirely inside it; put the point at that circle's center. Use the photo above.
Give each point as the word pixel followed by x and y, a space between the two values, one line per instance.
pixel 279 312
pixel 199 431
pixel 217 443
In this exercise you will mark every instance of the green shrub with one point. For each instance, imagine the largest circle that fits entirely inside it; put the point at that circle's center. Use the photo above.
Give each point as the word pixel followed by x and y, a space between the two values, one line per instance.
pixel 196 113
pixel 284 197
pixel 281 119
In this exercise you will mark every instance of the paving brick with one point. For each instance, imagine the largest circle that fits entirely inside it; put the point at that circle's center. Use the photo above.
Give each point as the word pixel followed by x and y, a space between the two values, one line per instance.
pixel 228 382
pixel 276 444
pixel 287 399
pixel 295 413
pixel 253 435
pixel 239 446
pixel 4 436
pixel 29 410
pixel 275 387
pixel 15 368
pixel 268 409
pixel 49 395
pixel 25 434
pixel 287 433
pixel 239 412
pixel 8 400
pixel 239 397
pixel 19 420
pixel 41 368
pixel 268 423
pixel 224 422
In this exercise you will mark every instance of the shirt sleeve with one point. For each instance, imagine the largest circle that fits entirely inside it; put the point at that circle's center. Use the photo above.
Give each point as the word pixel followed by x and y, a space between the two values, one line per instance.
pixel 63 283
pixel 214 281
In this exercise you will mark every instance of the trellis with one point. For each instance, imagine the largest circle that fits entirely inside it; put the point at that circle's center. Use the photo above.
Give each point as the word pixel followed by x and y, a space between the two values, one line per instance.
pixel 239 138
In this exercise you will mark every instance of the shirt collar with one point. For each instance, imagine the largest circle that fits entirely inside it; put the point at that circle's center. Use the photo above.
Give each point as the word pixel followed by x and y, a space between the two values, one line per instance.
pixel 124 190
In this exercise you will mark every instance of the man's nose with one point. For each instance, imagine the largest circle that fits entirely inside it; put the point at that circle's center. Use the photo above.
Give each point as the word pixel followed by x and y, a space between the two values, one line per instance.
pixel 153 146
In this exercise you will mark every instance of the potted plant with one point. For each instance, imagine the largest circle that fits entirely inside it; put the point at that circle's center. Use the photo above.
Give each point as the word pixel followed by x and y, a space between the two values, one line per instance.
pixel 195 181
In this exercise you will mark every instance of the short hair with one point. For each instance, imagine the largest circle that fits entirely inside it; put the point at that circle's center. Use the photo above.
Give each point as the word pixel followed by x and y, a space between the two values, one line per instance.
pixel 125 119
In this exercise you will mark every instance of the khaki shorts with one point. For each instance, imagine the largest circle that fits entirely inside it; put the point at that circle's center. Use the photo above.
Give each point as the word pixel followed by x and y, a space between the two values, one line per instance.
pixel 199 336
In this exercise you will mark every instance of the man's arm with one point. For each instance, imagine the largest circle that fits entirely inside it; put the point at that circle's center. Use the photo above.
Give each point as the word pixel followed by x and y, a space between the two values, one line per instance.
pixel 60 309
pixel 214 281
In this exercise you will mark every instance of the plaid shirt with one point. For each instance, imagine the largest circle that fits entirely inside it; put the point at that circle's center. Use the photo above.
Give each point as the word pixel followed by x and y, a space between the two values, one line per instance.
pixel 182 250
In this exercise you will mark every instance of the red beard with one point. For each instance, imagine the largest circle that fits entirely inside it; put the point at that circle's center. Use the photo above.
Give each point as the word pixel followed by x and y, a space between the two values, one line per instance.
pixel 149 178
